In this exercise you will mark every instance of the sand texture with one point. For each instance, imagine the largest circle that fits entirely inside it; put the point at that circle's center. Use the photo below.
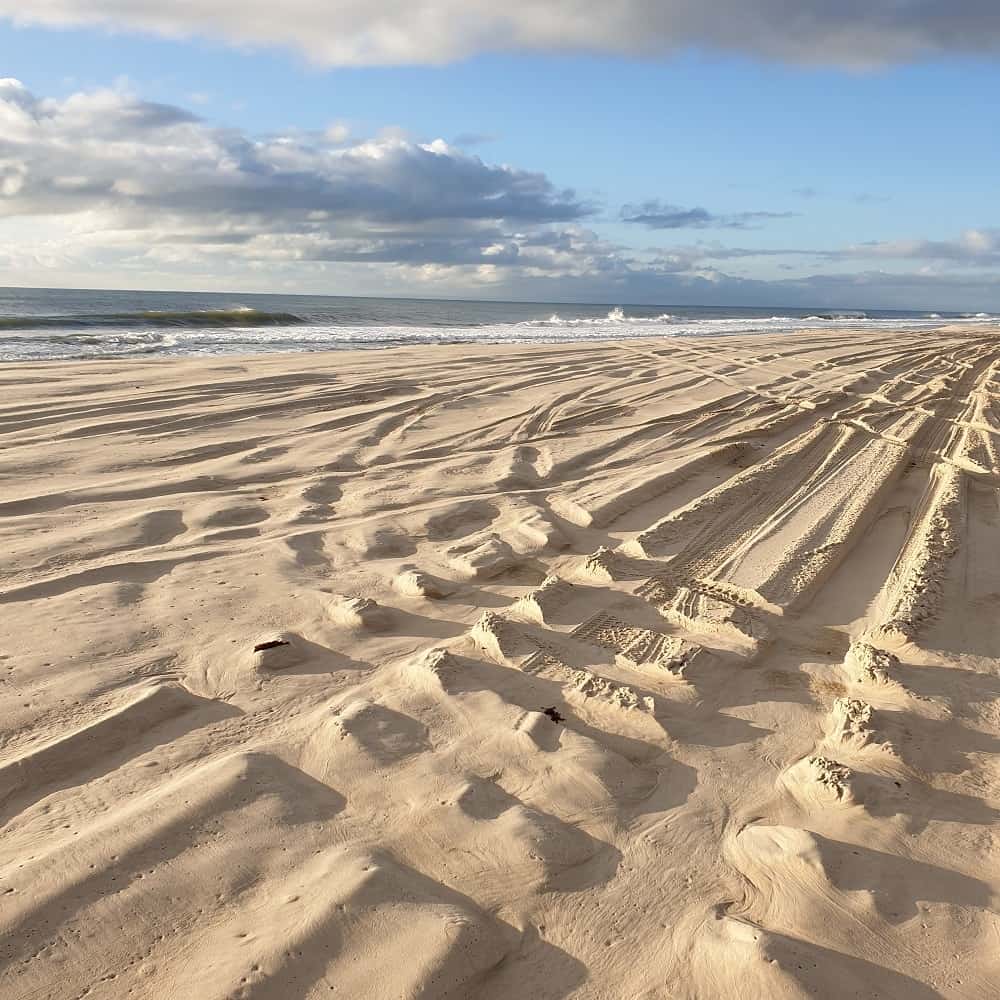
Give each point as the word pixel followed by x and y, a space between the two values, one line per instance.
pixel 663 670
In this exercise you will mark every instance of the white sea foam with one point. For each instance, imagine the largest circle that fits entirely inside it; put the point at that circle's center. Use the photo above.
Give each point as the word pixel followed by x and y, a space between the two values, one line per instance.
pixel 616 317
pixel 211 339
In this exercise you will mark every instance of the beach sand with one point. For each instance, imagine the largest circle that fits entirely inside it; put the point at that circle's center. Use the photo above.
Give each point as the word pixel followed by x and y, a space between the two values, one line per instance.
pixel 652 669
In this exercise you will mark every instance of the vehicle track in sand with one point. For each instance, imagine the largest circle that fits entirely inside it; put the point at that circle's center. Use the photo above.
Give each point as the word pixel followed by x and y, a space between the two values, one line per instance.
pixel 610 670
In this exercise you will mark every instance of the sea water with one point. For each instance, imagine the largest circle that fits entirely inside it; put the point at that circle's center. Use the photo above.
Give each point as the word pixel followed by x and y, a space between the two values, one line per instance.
pixel 41 324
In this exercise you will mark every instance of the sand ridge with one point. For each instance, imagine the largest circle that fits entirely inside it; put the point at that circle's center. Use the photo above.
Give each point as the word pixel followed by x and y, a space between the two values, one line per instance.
pixel 653 669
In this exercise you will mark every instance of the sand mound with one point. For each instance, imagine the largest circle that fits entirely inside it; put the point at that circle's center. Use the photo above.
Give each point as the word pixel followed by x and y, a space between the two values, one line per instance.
pixel 511 840
pixel 342 733
pixel 867 664
pixel 851 722
pixel 604 566
pixel 482 559
pixel 619 695
pixel 433 670
pixel 820 782
pixel 540 604
pixel 269 651
pixel 134 714
pixel 412 582
pixel 735 958
pixel 357 613
pixel 534 532
pixel 396 932
pixel 501 639
pixel 380 542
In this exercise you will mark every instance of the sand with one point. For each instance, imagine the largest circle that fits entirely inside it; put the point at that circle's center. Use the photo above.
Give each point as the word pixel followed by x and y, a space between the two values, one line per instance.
pixel 652 669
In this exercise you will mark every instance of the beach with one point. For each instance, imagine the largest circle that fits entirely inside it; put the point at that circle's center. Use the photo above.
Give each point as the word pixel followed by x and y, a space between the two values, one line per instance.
pixel 652 668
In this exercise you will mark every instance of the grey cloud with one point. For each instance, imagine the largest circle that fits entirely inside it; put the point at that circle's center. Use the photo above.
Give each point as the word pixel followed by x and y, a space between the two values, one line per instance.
pixel 884 290
pixel 655 214
pixel 847 33
pixel 412 252
pixel 698 253
pixel 856 290
pixel 165 175
pixel 972 248
pixel 149 116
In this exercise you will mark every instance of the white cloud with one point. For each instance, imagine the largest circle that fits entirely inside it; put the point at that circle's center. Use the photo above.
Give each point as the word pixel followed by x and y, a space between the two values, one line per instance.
pixel 853 33
pixel 337 133
pixel 167 178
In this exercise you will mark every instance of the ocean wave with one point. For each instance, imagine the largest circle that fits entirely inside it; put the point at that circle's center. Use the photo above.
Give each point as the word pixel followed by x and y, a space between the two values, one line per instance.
pixel 85 348
pixel 615 317
pixel 849 314
pixel 238 316
pixel 168 337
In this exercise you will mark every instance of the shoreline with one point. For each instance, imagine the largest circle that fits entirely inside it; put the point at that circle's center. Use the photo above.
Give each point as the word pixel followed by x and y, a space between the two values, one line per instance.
pixel 811 332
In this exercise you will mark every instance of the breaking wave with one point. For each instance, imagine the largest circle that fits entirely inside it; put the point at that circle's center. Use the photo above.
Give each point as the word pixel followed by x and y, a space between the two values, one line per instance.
pixel 240 316
pixel 614 316
pixel 321 325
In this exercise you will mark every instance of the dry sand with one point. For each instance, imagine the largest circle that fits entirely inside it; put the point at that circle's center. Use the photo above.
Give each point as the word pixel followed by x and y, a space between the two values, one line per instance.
pixel 279 635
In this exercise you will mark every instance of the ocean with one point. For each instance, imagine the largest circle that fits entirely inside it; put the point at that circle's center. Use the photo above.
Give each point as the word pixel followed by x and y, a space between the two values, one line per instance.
pixel 51 324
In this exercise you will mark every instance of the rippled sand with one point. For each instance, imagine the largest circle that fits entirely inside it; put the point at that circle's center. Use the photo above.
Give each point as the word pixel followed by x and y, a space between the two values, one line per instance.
pixel 659 669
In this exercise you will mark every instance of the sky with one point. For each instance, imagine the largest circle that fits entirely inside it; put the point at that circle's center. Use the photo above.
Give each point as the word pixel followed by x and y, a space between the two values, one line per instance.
pixel 736 152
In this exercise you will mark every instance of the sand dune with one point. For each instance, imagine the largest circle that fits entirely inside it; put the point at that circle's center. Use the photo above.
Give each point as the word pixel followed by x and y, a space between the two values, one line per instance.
pixel 637 669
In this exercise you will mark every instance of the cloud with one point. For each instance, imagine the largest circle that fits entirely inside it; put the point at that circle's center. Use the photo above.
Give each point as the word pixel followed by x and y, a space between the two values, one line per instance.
pixel 660 215
pixel 847 33
pixel 104 147
pixel 864 289
pixel 104 189
pixel 338 133
pixel 972 248
pixel 701 252
pixel 108 163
